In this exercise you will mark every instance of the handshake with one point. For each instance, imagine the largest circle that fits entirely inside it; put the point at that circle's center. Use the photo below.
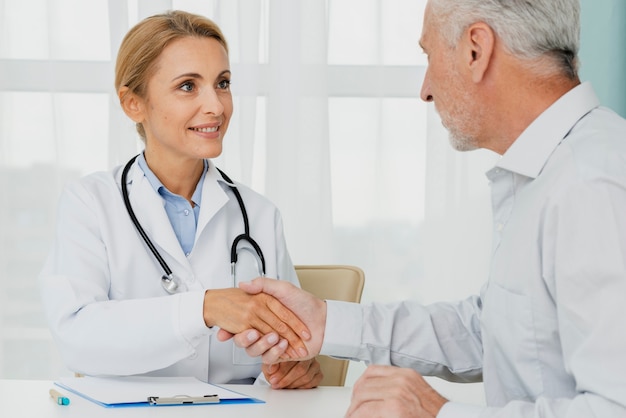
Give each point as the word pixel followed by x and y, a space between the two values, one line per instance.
pixel 286 328
pixel 274 320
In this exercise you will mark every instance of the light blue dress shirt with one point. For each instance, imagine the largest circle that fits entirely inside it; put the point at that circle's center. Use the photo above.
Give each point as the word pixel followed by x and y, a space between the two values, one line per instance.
pixel 182 215
pixel 546 333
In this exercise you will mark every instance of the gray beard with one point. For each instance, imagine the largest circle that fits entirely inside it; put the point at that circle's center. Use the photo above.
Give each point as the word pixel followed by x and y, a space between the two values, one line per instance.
pixel 461 143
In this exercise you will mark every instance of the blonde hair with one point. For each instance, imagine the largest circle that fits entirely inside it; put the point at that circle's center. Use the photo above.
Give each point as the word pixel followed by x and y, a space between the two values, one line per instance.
pixel 144 43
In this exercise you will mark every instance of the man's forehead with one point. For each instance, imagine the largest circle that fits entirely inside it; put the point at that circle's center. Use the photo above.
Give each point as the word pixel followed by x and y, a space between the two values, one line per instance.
pixel 425 36
pixel 426 27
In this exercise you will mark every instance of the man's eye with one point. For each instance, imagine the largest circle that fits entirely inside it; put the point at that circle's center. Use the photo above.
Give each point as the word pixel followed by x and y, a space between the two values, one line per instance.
pixel 224 84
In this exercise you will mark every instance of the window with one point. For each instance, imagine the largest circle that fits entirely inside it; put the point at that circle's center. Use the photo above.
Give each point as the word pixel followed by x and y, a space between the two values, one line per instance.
pixel 328 124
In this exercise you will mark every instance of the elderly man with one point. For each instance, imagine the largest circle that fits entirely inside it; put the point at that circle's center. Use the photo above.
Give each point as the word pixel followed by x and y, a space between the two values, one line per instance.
pixel 545 334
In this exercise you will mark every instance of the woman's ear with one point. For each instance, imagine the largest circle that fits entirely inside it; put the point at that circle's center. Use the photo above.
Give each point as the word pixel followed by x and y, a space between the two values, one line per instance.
pixel 481 42
pixel 131 104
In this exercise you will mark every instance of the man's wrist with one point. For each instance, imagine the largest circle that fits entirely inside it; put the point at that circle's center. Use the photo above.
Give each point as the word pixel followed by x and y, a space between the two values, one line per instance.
pixel 433 403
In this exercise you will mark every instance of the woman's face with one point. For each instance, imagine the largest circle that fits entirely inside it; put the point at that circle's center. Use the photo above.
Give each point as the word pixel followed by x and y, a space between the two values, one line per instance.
pixel 188 103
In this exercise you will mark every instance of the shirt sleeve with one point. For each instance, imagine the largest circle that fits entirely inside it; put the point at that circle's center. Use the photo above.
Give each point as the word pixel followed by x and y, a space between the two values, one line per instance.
pixel 437 340
pixel 342 336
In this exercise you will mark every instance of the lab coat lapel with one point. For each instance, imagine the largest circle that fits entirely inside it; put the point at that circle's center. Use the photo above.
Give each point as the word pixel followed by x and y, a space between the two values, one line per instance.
pixel 213 198
pixel 150 211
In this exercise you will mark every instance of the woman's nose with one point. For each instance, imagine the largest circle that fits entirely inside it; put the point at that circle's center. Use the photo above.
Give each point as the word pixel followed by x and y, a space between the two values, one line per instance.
pixel 211 102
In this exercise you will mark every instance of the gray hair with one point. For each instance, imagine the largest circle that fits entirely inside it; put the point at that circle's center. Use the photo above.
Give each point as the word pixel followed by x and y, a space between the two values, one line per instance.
pixel 530 29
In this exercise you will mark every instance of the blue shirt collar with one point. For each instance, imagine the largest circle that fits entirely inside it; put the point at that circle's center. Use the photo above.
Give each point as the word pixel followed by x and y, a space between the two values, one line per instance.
pixel 161 189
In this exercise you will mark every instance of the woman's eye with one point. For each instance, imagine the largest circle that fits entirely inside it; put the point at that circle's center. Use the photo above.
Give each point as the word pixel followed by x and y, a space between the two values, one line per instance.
pixel 223 85
pixel 187 86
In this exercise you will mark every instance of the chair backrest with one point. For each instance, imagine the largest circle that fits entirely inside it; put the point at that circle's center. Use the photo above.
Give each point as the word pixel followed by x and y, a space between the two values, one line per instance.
pixel 334 282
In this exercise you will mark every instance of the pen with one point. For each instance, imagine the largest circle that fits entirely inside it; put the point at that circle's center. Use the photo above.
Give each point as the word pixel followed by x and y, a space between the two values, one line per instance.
pixel 59 398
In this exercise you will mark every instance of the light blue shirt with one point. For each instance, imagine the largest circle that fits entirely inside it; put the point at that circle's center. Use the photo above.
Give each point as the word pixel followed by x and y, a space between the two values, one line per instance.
pixel 182 215
pixel 546 333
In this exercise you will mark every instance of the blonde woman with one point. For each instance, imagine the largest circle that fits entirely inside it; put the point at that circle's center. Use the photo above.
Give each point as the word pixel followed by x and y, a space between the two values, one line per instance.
pixel 142 272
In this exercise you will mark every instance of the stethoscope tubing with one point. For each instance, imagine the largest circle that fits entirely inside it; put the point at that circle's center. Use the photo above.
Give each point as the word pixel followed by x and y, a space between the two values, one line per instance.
pixel 246 226
pixel 133 218
pixel 233 251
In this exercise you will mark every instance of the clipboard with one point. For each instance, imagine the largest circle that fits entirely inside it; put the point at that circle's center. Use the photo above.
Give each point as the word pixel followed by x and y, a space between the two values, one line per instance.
pixel 142 391
pixel 183 400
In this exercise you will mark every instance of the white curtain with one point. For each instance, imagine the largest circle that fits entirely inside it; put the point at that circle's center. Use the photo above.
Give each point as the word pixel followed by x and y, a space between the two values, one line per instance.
pixel 328 124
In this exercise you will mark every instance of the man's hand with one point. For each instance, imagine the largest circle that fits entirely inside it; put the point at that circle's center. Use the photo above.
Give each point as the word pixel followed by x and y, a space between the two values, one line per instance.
pixel 305 374
pixel 309 309
pixel 236 311
pixel 387 391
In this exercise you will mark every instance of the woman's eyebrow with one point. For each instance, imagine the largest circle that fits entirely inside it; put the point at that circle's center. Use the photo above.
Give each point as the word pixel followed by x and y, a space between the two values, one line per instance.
pixel 198 76
pixel 187 75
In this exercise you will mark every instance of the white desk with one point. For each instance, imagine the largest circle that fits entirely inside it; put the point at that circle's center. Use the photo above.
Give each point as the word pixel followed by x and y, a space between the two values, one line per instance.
pixel 30 399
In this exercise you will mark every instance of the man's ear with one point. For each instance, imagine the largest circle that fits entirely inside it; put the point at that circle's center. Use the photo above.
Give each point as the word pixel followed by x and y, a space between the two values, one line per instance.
pixel 481 43
pixel 131 104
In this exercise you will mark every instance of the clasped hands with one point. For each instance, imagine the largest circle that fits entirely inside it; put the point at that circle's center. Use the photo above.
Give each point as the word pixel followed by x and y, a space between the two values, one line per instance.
pixel 382 391
pixel 254 315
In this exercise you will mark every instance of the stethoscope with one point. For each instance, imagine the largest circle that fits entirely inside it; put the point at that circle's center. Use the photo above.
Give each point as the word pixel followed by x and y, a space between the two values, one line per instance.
pixel 171 283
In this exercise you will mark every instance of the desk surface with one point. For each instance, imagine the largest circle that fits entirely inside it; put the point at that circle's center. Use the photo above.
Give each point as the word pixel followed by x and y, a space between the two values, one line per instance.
pixel 30 398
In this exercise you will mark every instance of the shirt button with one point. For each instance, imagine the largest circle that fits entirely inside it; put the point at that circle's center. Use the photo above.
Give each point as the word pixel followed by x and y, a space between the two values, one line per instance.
pixel 186 212
pixel 499 227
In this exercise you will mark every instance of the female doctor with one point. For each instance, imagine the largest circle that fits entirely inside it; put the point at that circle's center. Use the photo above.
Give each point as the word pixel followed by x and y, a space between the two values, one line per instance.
pixel 139 277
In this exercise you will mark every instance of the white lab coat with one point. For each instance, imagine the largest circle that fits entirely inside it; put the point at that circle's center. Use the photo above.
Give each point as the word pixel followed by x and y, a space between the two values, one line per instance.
pixel 101 287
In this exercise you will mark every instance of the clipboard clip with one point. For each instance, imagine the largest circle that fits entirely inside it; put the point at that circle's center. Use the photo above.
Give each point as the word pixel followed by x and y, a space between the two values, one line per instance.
pixel 183 400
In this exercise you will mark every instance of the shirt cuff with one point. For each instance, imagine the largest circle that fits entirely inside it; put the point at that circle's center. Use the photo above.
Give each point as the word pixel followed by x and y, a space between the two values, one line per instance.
pixel 342 335
pixel 190 317
pixel 460 410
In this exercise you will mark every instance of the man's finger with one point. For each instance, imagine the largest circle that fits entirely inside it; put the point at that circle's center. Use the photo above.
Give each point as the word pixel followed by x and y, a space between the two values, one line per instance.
pixel 276 288
pixel 246 338
pixel 290 319
pixel 276 354
pixel 269 315
pixel 256 347
pixel 223 335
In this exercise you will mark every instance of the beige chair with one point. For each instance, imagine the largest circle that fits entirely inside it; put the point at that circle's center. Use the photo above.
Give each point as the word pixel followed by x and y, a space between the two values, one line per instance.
pixel 338 283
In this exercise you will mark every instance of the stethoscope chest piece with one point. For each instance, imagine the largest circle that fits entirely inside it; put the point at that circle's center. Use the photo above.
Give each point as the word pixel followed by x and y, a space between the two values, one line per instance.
pixel 172 284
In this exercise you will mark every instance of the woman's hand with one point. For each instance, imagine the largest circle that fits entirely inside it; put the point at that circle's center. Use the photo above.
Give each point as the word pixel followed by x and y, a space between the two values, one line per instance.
pixel 305 374
pixel 234 311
